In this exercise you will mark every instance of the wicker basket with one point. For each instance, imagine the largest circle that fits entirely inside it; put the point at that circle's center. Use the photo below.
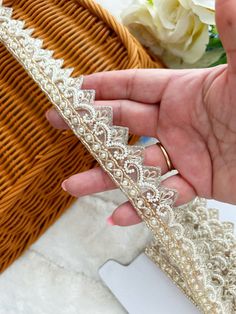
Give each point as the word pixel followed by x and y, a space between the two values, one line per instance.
pixel 34 157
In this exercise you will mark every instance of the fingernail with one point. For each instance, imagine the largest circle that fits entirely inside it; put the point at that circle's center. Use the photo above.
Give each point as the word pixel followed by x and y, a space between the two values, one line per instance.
pixel 110 221
pixel 63 185
pixel 47 114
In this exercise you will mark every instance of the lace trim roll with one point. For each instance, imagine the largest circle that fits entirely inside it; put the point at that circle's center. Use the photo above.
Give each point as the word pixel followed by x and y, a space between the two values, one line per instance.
pixel 185 251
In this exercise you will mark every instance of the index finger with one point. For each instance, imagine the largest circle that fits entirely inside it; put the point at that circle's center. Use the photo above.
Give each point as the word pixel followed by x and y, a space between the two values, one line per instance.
pixel 143 85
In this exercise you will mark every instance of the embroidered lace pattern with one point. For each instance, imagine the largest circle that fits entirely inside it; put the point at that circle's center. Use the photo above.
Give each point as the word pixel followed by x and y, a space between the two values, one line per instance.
pixel 215 245
pixel 191 245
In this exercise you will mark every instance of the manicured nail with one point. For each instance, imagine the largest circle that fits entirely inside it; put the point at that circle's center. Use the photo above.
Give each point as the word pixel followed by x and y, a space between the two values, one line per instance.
pixel 110 221
pixel 63 185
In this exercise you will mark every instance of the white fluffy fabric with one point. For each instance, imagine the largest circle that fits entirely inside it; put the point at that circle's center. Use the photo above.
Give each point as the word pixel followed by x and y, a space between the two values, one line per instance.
pixel 59 273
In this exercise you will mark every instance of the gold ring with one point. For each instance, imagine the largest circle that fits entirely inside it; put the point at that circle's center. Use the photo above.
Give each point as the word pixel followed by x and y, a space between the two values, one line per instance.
pixel 167 157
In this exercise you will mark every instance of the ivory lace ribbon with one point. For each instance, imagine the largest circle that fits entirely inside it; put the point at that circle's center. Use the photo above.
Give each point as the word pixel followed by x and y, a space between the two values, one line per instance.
pixel 190 244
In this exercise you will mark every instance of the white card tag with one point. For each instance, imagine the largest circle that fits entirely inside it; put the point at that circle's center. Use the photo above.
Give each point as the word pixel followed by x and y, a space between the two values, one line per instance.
pixel 142 288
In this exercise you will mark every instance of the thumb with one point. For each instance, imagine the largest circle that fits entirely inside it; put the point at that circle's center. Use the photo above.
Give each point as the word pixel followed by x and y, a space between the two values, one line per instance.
pixel 226 25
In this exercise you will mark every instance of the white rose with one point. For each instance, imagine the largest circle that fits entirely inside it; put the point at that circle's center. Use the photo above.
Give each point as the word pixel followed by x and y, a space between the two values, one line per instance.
pixel 172 28
pixel 205 9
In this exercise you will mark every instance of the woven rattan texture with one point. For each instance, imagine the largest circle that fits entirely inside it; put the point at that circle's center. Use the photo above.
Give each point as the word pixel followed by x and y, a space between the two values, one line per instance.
pixel 34 157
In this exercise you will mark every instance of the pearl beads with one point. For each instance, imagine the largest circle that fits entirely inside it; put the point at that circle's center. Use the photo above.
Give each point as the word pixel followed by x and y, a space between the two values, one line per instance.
pixel 88 137
pixel 63 104
pixel 140 203
pixel 110 165
pixel 132 192
pixel 103 155
pixel 67 112
pixel 153 222
pixel 75 120
pixel 96 147
pixel 81 130
pixel 125 182
pixel 118 173
pixel 147 211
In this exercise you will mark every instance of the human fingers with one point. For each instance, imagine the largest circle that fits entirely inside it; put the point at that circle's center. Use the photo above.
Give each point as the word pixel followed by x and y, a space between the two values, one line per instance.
pixel 126 113
pixel 126 215
pixel 142 85
pixel 97 180
pixel 226 25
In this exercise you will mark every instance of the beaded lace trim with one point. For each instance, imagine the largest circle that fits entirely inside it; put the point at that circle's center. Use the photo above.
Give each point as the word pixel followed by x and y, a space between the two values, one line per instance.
pixel 190 244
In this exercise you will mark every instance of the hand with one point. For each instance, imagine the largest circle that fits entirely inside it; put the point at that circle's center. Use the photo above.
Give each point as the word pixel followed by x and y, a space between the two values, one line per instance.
pixel 191 112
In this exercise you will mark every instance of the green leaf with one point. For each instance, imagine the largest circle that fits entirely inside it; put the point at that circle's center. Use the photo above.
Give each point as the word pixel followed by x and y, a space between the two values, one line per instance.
pixel 221 60
pixel 214 39
pixel 214 43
